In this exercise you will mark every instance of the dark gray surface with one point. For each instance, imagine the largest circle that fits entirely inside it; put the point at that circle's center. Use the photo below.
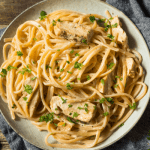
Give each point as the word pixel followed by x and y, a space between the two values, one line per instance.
pixel 136 139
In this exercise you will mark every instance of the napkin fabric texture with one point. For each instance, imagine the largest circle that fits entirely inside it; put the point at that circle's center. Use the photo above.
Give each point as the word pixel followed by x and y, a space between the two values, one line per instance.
pixel 139 12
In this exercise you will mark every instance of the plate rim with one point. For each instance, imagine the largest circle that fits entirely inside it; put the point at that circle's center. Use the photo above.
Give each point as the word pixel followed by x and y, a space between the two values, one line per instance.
pixel 139 117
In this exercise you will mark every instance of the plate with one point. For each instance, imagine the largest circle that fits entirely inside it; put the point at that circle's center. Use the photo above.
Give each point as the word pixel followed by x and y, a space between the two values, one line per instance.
pixel 24 127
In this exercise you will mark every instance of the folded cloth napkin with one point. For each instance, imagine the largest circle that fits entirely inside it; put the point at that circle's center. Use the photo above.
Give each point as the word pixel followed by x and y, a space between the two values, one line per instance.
pixel 136 139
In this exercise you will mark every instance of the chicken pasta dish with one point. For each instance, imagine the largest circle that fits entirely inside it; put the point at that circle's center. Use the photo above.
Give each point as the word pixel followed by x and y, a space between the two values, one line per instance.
pixel 73 75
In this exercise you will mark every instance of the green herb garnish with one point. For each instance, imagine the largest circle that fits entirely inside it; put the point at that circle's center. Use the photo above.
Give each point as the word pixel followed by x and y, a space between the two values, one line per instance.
pixel 54 23
pixel 132 106
pixel 110 65
pixel 68 62
pixel 106 113
pixel 110 36
pixel 102 81
pixel 75 114
pixel 88 77
pixel 77 54
pixel 19 53
pixel 33 78
pixel 92 18
pixel 3 73
pixel 11 67
pixel 72 51
pixel 69 105
pixel 121 125
pixel 68 86
pixel 43 15
pixel 78 65
pixel 47 118
pixel 25 98
pixel 102 100
pixel 28 89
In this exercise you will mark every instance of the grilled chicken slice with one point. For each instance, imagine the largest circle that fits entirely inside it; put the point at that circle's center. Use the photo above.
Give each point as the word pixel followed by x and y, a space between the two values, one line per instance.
pixel 74 31
pixel 106 87
pixel 58 107
pixel 35 99
pixel 122 37
pixel 130 67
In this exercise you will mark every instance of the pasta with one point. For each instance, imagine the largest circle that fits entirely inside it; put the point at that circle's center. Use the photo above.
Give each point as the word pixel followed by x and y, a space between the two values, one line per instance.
pixel 73 75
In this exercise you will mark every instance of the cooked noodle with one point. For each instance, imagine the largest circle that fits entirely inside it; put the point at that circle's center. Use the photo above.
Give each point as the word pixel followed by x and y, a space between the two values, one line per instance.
pixel 95 75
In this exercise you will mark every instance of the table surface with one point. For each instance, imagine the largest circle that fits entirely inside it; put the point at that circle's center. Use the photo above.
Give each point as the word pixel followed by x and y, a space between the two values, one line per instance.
pixel 9 9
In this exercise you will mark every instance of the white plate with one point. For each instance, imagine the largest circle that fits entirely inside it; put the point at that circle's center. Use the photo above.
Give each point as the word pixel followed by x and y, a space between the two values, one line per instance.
pixel 23 127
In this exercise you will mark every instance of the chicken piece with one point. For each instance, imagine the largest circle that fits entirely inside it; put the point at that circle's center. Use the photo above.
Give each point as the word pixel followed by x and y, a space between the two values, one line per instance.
pixel 122 37
pixel 35 99
pixel 108 83
pixel 74 31
pixel 130 67
pixel 57 105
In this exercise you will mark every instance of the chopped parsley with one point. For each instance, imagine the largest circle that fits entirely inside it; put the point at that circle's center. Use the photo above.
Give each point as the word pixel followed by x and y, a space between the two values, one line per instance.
pixel 69 72
pixel 39 25
pixel 109 66
pixel 25 70
pixel 28 89
pixel 69 105
pixel 54 23
pixel 121 125
pixel 25 98
pixel 59 77
pixel 110 36
pixel 101 20
pixel 86 110
pixel 72 51
pixel 43 15
pixel 117 77
pixel 102 81
pixel 34 39
pixel 132 106
pixel 85 105
pixel 59 20
pixel 80 108
pixel 121 79
pixel 64 125
pixel 88 77
pixel 56 108
pixel 47 66
pixel 114 25
pixel 70 120
pixel 109 99
pixel 61 70
pixel 58 50
pixel 68 86
pixel 64 100
pixel 13 106
pixel 19 53
pixel 77 54
pixel 78 78
pixel 75 114
pixel 78 65
pixel 92 18
pixel 106 113
pixel 11 67
pixel 68 62
pixel 70 114
pixel 33 78
pixel 3 73
pixel 84 41
pixel 116 85
pixel 55 124
pixel 47 118
pixel 111 18
pixel 102 100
